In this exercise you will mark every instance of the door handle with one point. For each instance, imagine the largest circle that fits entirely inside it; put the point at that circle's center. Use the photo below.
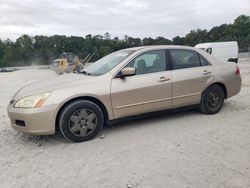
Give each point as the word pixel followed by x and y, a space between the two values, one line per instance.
pixel 163 79
pixel 206 72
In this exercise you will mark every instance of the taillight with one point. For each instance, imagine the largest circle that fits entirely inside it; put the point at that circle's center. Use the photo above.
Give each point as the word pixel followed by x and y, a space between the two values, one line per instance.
pixel 237 72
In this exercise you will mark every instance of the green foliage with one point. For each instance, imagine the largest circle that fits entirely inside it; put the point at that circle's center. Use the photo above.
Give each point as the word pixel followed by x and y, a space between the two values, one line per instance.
pixel 2 47
pixel 42 49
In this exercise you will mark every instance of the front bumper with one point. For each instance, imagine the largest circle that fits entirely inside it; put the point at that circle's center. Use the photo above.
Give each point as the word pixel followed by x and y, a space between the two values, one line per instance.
pixel 37 121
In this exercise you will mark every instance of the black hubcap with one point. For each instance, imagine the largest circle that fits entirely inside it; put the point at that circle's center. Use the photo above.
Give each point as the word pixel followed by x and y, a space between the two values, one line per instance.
pixel 82 122
pixel 214 99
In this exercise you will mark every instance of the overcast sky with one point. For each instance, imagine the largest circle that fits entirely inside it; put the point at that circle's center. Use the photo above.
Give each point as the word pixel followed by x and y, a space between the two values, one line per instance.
pixel 136 18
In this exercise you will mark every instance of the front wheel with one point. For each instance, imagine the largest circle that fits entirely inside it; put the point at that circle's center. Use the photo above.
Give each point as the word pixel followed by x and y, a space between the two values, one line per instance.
pixel 81 121
pixel 212 100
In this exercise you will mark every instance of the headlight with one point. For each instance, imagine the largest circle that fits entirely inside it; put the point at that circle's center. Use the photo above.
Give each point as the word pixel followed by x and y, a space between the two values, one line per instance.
pixel 32 101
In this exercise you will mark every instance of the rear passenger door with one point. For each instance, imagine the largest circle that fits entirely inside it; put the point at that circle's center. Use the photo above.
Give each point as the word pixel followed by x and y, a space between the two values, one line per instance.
pixel 190 75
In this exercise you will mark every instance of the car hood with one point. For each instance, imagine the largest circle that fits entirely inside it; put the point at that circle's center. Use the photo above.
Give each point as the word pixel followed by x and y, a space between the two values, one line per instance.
pixel 57 83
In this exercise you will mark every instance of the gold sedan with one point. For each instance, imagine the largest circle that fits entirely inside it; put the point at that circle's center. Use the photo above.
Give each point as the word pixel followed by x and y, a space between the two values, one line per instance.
pixel 127 82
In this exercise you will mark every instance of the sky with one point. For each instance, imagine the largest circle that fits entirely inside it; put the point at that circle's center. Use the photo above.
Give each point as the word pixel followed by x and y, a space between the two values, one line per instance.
pixel 136 18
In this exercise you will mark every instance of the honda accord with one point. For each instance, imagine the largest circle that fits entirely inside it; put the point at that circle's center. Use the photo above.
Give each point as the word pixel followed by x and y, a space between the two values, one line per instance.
pixel 124 83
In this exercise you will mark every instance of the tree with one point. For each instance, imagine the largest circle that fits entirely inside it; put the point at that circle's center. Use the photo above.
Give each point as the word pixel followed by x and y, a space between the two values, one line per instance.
pixel 104 50
pixel 195 37
pixel 43 49
pixel 148 41
pixel 162 41
pixel 241 26
pixel 178 40
pixel 2 48
pixel 107 36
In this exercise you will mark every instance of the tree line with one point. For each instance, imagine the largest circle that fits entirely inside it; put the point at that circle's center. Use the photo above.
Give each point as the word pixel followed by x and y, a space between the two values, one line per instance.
pixel 27 50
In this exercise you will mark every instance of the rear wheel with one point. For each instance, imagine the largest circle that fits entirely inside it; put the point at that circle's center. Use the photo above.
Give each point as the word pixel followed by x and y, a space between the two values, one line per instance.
pixel 212 99
pixel 81 121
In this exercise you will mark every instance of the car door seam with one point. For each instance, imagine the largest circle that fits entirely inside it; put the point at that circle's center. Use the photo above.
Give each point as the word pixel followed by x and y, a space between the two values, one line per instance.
pixel 142 103
pixel 188 95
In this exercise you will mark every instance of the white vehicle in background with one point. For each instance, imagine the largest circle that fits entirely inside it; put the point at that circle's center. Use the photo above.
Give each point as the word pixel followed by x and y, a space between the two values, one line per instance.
pixel 224 51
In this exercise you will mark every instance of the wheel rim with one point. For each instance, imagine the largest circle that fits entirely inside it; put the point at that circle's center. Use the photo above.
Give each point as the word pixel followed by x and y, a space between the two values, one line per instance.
pixel 82 122
pixel 214 99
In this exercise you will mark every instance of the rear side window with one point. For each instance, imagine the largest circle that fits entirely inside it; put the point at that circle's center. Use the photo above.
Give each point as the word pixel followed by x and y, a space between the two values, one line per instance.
pixel 204 62
pixel 182 59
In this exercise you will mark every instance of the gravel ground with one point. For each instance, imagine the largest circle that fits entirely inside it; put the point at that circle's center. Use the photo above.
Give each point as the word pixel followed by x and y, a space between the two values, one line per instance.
pixel 184 149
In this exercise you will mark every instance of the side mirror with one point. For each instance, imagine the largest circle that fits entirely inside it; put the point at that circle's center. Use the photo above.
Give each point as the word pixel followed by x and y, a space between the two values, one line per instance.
pixel 127 71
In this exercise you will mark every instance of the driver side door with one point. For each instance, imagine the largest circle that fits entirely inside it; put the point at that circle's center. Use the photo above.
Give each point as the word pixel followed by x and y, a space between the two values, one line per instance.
pixel 148 90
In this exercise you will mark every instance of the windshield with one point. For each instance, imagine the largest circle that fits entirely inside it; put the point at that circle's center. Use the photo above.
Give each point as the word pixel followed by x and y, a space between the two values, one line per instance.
pixel 107 63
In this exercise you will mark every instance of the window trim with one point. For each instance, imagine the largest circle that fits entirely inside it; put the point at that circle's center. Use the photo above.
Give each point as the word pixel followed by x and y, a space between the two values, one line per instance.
pixel 168 56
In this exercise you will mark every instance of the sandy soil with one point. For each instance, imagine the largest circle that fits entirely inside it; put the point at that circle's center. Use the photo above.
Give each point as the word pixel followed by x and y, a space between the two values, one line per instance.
pixel 184 149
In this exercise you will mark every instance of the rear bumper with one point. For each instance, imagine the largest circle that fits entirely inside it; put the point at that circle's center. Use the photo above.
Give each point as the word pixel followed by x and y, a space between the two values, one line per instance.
pixel 233 86
pixel 35 121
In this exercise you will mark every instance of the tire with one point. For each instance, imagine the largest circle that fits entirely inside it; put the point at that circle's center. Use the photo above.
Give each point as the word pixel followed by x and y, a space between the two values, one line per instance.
pixel 81 121
pixel 212 99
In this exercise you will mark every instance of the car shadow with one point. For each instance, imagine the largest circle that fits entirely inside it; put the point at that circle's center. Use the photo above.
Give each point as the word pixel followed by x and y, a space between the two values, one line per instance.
pixel 57 138
pixel 148 119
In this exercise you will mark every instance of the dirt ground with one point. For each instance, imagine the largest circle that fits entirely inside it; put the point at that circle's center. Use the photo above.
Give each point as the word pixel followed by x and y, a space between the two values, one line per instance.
pixel 184 149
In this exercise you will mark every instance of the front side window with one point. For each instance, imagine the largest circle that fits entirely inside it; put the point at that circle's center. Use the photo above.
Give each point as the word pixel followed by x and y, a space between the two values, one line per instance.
pixel 149 62
pixel 184 58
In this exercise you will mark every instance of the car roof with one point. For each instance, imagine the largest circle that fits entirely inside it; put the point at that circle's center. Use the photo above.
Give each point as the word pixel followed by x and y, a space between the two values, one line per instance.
pixel 158 47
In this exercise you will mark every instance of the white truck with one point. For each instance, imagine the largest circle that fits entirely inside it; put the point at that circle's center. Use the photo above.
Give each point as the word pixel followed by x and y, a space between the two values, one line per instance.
pixel 224 51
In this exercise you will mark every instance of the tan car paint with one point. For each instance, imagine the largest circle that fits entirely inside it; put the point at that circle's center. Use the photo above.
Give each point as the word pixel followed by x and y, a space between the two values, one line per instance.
pixel 141 93
pixel 189 84
pixel 124 97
